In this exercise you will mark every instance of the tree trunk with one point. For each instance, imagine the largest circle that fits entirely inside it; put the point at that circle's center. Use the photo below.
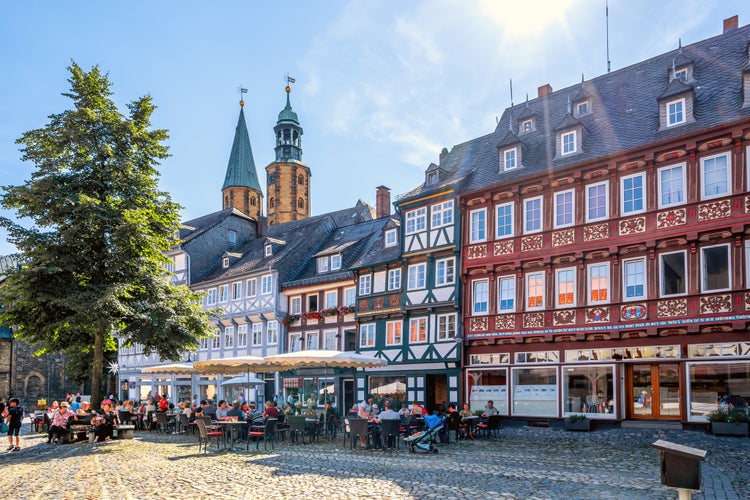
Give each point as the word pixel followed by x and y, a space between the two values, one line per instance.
pixel 97 366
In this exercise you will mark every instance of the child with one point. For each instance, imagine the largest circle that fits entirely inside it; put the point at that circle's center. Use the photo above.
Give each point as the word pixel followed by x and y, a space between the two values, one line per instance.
pixel 14 421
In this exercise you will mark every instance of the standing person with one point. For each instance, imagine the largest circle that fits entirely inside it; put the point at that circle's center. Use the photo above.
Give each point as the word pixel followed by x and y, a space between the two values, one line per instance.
pixel 14 421
pixel 60 422
pixel 365 407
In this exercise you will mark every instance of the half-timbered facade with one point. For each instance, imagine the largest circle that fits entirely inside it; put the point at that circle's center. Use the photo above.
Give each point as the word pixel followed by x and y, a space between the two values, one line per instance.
pixel 605 243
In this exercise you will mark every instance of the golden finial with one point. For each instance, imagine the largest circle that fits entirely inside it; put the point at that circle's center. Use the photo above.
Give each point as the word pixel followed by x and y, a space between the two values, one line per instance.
pixel 242 101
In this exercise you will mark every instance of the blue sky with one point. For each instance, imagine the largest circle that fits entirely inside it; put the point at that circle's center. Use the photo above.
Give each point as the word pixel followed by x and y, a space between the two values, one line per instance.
pixel 381 87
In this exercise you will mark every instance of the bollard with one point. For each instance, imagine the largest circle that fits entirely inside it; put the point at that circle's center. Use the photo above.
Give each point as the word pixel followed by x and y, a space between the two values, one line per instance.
pixel 680 467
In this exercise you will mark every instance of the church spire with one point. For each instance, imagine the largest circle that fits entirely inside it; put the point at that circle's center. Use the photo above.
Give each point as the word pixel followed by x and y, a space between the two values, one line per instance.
pixel 241 188
pixel 288 133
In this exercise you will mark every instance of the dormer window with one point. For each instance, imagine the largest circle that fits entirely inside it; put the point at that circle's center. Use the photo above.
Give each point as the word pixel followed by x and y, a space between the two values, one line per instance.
pixel 568 143
pixel 232 236
pixel 583 108
pixel 268 250
pixel 335 262
pixel 510 159
pixel 323 264
pixel 225 262
pixel 328 263
pixel 526 126
pixel 681 74
pixel 391 238
pixel 675 112
pixel 431 178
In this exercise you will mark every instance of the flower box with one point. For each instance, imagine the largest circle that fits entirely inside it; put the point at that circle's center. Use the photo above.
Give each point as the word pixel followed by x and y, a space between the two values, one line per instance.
pixel 578 424
pixel 729 428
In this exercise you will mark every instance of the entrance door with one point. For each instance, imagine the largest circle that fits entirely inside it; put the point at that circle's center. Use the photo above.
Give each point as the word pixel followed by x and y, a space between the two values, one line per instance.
pixel 348 394
pixel 654 391
pixel 436 391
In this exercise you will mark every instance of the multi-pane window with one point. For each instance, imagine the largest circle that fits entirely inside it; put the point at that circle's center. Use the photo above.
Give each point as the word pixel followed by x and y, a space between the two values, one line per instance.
pixel 335 262
pixel 417 330
pixel 237 290
pixel 532 215
pixel 597 205
pixel 568 143
pixel 582 108
pixel 295 342
pixel 598 283
pixel 367 335
pixel 252 287
pixel 332 299
pixel 391 238
pixel 393 333
pixel 265 285
pixel 350 294
pixel 365 284
pixel 672 274
pixel 526 126
pixel 211 297
pixel 444 272
pixel 478 225
pixel 416 220
pixel 295 305
pixel 394 279
pixel 675 112
pixel 504 220
pixel 715 176
pixel 446 326
pixel 565 287
pixel 242 336
pixel 480 297
pixel 216 340
pixel 272 332
pixel 331 340
pixel 257 335
pixel 564 208
pixel 204 344
pixel 715 268
pixel 322 264
pixel 229 337
pixel 535 291
pixel 506 294
pixel 671 185
pixel 223 293
pixel 417 276
pixel 633 194
pixel 312 302
pixel 510 159
pixel 634 279
pixel 442 213
pixel 312 341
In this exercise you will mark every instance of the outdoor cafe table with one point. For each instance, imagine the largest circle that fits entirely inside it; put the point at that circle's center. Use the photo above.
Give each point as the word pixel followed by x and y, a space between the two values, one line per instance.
pixel 472 421
pixel 230 427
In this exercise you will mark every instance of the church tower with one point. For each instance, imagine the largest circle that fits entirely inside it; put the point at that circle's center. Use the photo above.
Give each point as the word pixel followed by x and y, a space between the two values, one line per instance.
pixel 241 188
pixel 288 178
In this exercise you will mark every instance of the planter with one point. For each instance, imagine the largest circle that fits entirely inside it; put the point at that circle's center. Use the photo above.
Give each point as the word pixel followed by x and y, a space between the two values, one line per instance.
pixel 583 425
pixel 729 428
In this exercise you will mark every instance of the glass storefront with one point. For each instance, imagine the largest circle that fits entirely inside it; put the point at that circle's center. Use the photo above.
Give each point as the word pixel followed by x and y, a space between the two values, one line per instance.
pixel 388 387
pixel 489 385
pixel 534 391
pixel 711 385
pixel 589 389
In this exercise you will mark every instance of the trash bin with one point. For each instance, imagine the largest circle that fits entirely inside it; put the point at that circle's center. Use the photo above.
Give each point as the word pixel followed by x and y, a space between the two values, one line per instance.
pixel 680 465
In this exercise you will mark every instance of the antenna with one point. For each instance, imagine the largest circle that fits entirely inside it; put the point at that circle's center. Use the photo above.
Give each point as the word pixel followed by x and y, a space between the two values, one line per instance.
pixel 606 16
pixel 511 92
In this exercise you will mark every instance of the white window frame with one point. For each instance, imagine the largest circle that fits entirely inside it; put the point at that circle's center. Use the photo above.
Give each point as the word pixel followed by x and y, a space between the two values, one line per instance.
pixel 445 271
pixel 350 296
pixel 272 332
pixel 557 206
pixel 256 337
pixel 511 281
pixel 313 305
pixel 582 108
pixel 671 116
pixel 683 187
pixel 510 159
pixel 480 297
pixel 335 262
pixel 367 335
pixel 266 285
pixel 597 267
pixel 597 185
pixel 216 340
pixel 331 299
pixel 538 275
pixel 394 279
pixel 211 296
pixel 526 125
pixel 394 333
pixel 228 337
pixel 417 276
pixel 704 285
pixel 662 293
pixel 391 239
pixel 421 330
pixel 365 284
pixel 568 143
pixel 498 218
pixel 478 225
pixel 442 214
pixel 242 336
pixel 526 219
pixel 568 271
pixel 680 74
pixel 628 276
pixel 295 305
pixel 252 287
pixel 727 172
pixel 643 198
pixel 223 294
pixel 416 220
pixel 295 342
pixel 331 340
pixel 237 290
pixel 322 264
pixel 312 341
pixel 268 250
pixel 446 326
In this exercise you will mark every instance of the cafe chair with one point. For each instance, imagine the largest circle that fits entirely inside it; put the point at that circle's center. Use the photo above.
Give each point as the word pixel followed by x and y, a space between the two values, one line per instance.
pixel 266 433
pixel 390 434
pixel 205 435
pixel 359 427
pixel 492 426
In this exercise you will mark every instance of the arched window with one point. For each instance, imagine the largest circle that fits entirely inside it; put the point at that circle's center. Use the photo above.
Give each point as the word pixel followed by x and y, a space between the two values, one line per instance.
pixel 271 202
pixel 226 201
pixel 300 179
pixel 301 203
pixel 252 201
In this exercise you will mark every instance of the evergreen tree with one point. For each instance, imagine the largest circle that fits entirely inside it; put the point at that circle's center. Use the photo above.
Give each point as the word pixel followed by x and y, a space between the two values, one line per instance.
pixel 94 263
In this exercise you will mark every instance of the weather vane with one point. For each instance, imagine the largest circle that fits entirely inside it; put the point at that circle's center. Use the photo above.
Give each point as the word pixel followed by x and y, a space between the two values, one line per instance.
pixel 288 80
pixel 243 90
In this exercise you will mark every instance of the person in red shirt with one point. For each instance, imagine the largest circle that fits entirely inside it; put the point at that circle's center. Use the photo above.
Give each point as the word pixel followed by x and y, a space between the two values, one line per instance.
pixel 271 411
pixel 418 409
pixel 163 404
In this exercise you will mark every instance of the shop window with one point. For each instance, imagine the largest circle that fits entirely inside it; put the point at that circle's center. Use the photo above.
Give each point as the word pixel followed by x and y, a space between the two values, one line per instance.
pixel 590 390
pixel 534 392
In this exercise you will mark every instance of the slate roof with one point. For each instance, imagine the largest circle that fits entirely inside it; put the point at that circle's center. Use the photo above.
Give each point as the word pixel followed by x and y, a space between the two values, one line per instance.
pixel 624 115
pixel 376 251
pixel 7 263
pixel 241 167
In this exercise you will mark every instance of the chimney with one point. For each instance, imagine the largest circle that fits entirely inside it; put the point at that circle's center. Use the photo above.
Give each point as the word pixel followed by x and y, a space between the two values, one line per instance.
pixel 544 90
pixel 731 23
pixel 382 202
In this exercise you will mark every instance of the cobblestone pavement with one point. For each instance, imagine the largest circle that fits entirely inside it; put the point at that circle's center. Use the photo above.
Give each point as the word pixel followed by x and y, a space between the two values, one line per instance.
pixel 524 462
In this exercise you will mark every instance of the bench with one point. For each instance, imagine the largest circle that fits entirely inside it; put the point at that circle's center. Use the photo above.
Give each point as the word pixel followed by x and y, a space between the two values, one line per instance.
pixel 124 431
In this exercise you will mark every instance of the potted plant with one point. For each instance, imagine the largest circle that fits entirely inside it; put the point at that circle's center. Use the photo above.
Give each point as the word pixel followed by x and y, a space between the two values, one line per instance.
pixel 728 421
pixel 577 422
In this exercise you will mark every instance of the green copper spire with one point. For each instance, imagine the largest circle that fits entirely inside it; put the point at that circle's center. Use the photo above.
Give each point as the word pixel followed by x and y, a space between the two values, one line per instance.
pixel 288 134
pixel 241 167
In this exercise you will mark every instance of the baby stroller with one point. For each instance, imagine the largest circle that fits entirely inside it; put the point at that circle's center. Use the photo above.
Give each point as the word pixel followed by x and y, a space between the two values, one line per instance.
pixel 424 441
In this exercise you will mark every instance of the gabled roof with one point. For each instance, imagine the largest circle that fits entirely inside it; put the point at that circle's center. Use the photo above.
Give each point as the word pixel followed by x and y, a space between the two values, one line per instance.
pixel 510 138
pixel 376 252
pixel 195 227
pixel 241 167
pixel 567 122
pixel 674 88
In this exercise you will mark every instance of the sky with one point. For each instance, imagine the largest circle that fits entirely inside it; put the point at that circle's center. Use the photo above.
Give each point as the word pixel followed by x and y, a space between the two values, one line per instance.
pixel 380 86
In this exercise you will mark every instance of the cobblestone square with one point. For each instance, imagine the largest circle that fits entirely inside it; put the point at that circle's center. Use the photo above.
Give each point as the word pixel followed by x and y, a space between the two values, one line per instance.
pixel 524 462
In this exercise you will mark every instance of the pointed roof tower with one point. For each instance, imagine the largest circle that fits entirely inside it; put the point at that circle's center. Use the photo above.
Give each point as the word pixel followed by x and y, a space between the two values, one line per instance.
pixel 288 133
pixel 241 188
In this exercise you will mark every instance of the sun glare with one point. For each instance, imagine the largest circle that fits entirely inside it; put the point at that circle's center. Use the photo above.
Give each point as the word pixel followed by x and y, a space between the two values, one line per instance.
pixel 526 19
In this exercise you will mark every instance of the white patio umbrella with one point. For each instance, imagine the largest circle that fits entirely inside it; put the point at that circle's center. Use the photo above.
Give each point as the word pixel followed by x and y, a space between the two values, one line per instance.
pixel 171 369
pixel 244 381
pixel 236 364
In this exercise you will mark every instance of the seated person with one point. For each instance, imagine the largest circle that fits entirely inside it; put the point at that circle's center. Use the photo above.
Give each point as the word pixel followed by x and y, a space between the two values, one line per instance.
pixel 330 418
pixel 490 410
pixel 236 412
pixel 221 411
pixel 387 414
pixel 60 422
pixel 271 411
pixel 465 411
pixel 104 422
pixel 84 410
pixel 418 409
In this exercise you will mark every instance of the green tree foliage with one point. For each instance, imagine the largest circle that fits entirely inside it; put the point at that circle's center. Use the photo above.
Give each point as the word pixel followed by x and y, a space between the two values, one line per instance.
pixel 94 258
